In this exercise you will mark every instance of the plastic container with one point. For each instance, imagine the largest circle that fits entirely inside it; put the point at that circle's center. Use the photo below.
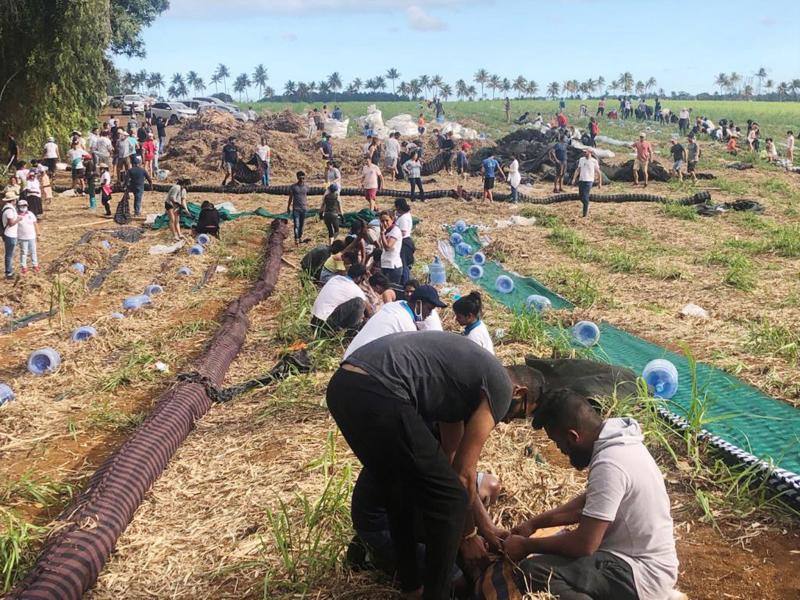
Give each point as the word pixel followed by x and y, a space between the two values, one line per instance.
pixel 106 244
pixel 479 258
pixel 456 239
pixel 136 302
pixel 82 334
pixel 6 394
pixel 437 273
pixel 153 290
pixel 117 315
pixel 463 249
pixel 79 267
pixel 661 377
pixel 586 333
pixel 475 272
pixel 203 239
pixel 196 250
pixel 44 361
pixel 184 271
pixel 504 284
pixel 460 226
pixel 7 311
pixel 538 303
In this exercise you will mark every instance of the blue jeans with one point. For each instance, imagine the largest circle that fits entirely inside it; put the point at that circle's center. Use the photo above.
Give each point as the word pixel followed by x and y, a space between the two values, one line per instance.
pixel 265 175
pixel 137 202
pixel 584 188
pixel 514 194
pixel 299 220
pixel 10 244
pixel 28 247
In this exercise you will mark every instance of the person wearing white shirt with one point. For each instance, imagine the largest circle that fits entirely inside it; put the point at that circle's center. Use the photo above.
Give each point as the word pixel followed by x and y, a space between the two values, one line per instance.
pixel 397 317
pixel 407 248
pixel 391 242
pixel 10 220
pixel 51 154
pixel 586 173
pixel 27 232
pixel 341 303
pixel 790 147
pixel 392 152
pixel 468 310
pixel 514 178
pixel 333 176
pixel 413 171
pixel 264 153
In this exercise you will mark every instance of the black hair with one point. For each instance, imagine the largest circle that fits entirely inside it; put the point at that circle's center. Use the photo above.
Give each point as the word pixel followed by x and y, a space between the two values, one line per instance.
pixel 332 188
pixel 356 270
pixel 564 409
pixel 379 280
pixel 413 283
pixel 301 174
pixel 350 257
pixel 184 182
pixel 385 213
pixel 401 204
pixel 471 304
pixel 357 226
pixel 207 205
pixel 337 246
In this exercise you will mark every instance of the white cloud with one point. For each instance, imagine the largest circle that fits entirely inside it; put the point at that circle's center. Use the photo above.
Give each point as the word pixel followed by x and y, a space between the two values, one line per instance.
pixel 238 8
pixel 421 21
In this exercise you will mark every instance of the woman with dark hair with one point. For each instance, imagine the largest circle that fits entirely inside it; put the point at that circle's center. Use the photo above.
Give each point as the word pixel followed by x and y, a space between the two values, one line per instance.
pixel 391 242
pixel 208 221
pixel 174 203
pixel 381 286
pixel 331 212
pixel 468 310
pixel 406 224
pixel 334 265
pixel 412 169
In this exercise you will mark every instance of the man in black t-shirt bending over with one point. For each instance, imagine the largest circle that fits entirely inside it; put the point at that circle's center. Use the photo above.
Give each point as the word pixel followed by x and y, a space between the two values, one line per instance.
pixel 383 397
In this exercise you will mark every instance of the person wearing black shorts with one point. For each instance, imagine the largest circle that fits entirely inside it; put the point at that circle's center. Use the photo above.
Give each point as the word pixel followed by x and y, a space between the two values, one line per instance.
pixel 331 211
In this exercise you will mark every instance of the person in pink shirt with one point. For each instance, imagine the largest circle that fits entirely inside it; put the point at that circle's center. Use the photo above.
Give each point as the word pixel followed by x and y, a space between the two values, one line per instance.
pixel 644 153
pixel 372 180
pixel 149 152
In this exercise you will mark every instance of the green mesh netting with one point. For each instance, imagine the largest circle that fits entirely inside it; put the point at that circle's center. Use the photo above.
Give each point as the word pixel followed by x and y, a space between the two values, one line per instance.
pixel 736 412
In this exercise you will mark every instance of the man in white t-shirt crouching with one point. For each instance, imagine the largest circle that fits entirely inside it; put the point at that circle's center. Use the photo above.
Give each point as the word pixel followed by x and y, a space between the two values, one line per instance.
pixel 623 546
pixel 341 303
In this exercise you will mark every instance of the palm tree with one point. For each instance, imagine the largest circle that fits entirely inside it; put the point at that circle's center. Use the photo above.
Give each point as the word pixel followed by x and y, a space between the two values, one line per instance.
pixel 626 82
pixel 240 85
pixel 199 85
pixel 495 83
pixel 614 85
pixel 404 89
pixel 393 74
pixel 380 83
pixel 260 78
pixel 505 85
pixel 650 84
pixel 215 79
pixel 570 86
pixel 481 77
pixel 462 91
pixel 176 79
pixel 323 88
pixel 601 84
pixel 721 81
pixel 370 84
pixel 269 92
pixel 446 91
pixel 172 91
pixel 223 73
pixel 734 79
pixel 311 86
pixel 553 89
pixel 761 75
pixel 141 78
pixel 191 78
pixel 289 88
pixel 782 89
pixel 356 85
pixel 472 92
pixel 520 85
pixel 531 88
pixel 769 85
pixel 155 82
pixel 416 88
pixel 437 82
pixel 795 85
pixel 335 81
pixel 639 88
pixel 747 92
pixel 301 91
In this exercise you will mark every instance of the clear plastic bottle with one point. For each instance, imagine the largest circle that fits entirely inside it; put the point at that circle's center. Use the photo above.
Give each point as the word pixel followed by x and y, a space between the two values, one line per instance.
pixel 196 250
pixel 463 249
pixel 203 239
pixel 79 268
pixel 538 303
pixel 436 270
pixel 44 361
pixel 460 226
pixel 117 315
pixel 106 244
pixel 6 394
pixel 456 239
pixel 504 284
pixel 475 272
pixel 661 377
pixel 136 302
pixel 82 334
pixel 7 311
pixel 586 333
pixel 184 271
pixel 479 258
pixel 153 290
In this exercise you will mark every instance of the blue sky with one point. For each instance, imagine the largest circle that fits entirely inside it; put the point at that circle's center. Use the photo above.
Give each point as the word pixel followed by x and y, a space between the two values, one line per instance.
pixel 682 44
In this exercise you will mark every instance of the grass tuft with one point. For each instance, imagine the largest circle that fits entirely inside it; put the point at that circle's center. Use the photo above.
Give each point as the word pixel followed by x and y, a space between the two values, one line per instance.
pixel 679 211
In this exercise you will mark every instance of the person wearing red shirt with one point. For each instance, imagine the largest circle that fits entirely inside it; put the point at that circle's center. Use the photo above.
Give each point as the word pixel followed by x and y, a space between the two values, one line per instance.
pixel 149 153
pixel 562 120
pixel 644 153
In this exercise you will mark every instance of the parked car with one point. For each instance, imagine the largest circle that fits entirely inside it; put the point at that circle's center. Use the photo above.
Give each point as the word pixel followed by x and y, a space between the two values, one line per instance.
pixel 138 101
pixel 220 105
pixel 197 105
pixel 172 112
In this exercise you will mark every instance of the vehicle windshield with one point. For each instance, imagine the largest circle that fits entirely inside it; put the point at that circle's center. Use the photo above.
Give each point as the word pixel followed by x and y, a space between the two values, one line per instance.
pixel 180 105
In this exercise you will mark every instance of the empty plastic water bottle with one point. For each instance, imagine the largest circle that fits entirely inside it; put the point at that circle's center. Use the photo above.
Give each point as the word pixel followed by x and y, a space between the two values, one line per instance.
pixel 456 239
pixel 79 267
pixel 475 272
pixel 81 334
pixel 463 249
pixel 504 284
pixel 106 244
pixel 437 272
pixel 196 250
pixel 460 226
pixel 153 290
pixel 7 311
pixel 203 239
pixel 661 376
pixel 586 333
pixel 117 315
pixel 184 271
pixel 479 258
pixel 136 302
pixel 538 303
pixel 6 394
pixel 44 361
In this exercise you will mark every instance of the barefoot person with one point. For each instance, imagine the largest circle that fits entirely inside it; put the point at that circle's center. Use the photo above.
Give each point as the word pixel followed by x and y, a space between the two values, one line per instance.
pixel 623 546
pixel 644 153
pixel 173 204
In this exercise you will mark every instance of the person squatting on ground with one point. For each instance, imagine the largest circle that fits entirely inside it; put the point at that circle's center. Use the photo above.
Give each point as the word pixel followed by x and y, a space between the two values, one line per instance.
pixel 208 220
pixel 341 304
pixel 384 398
pixel 297 206
pixel 469 311
pixel 587 173
pixel 623 547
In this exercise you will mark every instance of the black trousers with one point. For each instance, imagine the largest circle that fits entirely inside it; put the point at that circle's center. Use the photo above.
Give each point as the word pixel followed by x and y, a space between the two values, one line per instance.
pixel 416 182
pixel 600 576
pixel 345 317
pixel 394 443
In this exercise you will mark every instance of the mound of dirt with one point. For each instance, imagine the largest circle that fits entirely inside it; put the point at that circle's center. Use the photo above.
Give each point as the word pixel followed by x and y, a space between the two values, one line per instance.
pixel 286 121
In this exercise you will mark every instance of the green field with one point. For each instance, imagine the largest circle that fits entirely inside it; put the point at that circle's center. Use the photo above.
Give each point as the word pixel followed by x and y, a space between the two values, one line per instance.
pixel 775 118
